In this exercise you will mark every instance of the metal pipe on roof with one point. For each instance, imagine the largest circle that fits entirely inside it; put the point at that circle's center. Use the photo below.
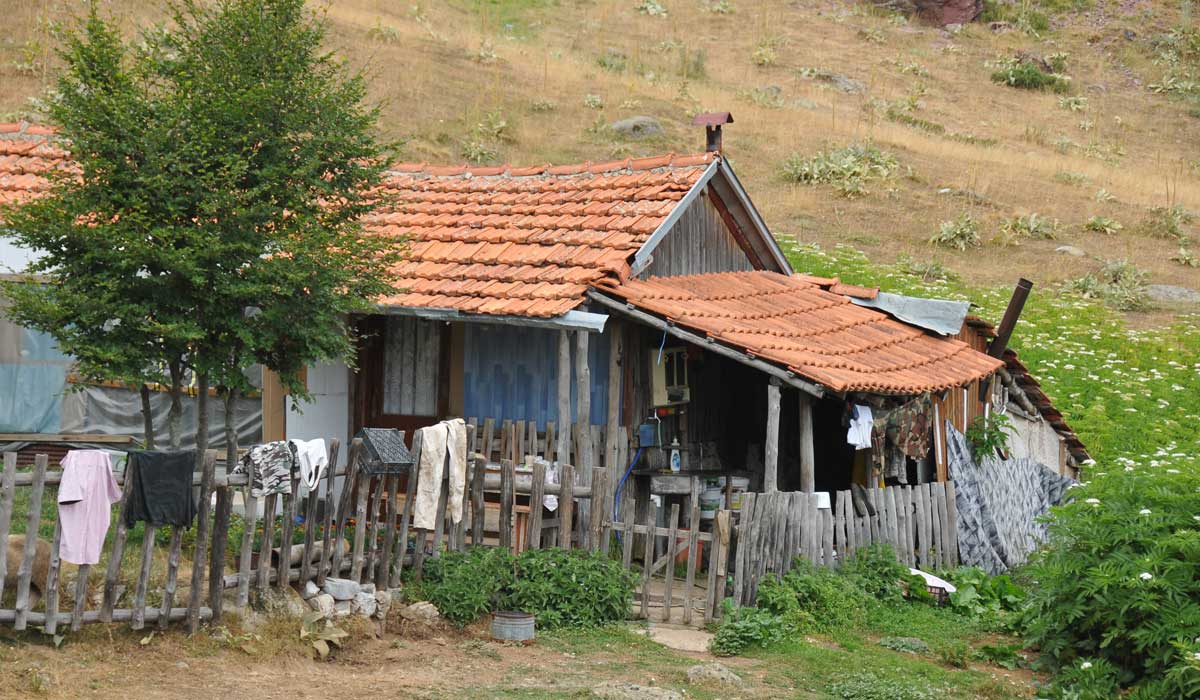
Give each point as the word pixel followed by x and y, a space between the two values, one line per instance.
pixel 786 376
pixel 1015 305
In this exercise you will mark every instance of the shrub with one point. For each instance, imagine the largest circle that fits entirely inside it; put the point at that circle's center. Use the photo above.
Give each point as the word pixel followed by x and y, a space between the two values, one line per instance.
pixel 831 600
pixel 570 588
pixel 467 585
pixel 979 594
pixel 989 436
pixel 876 571
pixel 651 8
pixel 1074 103
pixel 1118 596
pixel 870 686
pixel 560 588
pixel 1118 284
pixel 747 628
pixel 1033 226
pixel 1028 75
pixel 1166 222
pixel 846 167
pixel 1103 224
pixel 961 233
pixel 908 645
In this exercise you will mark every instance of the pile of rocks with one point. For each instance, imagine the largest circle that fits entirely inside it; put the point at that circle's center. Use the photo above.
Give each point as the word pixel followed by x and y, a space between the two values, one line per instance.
pixel 341 597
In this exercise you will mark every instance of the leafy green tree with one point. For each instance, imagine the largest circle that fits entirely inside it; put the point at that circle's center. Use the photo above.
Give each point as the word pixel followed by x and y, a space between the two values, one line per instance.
pixel 225 162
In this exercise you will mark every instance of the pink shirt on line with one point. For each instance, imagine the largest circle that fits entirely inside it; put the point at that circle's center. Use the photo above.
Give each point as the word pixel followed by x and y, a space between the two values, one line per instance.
pixel 85 498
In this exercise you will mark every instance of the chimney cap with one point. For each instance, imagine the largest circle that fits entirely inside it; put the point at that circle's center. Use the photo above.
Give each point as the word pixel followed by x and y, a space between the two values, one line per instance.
pixel 712 119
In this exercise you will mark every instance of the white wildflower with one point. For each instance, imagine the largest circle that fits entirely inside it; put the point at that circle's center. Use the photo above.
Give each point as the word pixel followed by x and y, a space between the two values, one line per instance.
pixel 1085 665
pixel 1144 511
pixel 1093 501
pixel 1145 576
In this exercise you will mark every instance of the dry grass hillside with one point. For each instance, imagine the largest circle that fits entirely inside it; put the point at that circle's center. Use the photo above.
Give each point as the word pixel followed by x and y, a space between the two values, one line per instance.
pixel 538 81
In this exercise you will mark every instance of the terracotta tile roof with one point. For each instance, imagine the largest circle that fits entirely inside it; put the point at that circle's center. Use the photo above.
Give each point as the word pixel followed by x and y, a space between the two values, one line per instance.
pixel 525 241
pixel 27 153
pixel 817 334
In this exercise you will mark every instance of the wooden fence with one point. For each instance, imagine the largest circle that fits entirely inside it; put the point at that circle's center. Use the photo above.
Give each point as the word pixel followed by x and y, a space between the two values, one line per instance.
pixel 919 522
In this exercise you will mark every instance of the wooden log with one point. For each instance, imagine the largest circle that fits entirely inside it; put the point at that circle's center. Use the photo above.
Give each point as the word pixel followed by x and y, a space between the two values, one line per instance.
pixel 596 512
pixel 118 546
pixel 952 523
pixel 439 525
pixel 489 435
pixel 648 558
pixel 477 503
pixel 344 501
pixel 692 546
pixel 126 615
pixel 771 440
pixel 360 527
pixel 52 576
pixel 410 491
pixel 827 536
pixel 208 462
pixel 287 530
pixel 935 503
pixel 672 551
pixel 383 568
pixel 922 528
pixel 807 458
pixel 7 497
pixel 537 497
pixel 583 402
pixel 81 596
pixel 173 555
pixel 216 559
pixel 566 505
pixel 32 522
pixel 143 581
pixel 551 444
pixel 507 477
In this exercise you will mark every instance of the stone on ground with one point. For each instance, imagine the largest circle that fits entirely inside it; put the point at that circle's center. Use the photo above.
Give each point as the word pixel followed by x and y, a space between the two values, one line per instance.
pixel 713 673
pixel 639 127
pixel 1172 294
pixel 341 588
pixel 1071 250
pixel 322 602
pixel 423 612
pixel 310 590
pixel 364 604
pixel 631 691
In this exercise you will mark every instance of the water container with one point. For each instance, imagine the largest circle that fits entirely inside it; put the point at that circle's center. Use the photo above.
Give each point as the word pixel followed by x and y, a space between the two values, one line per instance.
pixel 741 485
pixel 513 627
pixel 710 503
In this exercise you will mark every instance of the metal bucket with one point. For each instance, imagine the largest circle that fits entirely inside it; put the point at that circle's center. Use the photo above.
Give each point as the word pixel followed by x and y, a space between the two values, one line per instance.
pixel 513 627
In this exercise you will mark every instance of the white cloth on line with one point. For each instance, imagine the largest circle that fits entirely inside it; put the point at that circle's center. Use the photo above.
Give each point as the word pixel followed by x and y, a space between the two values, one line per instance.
pixel 312 457
pixel 859 434
pixel 456 451
pixel 430 464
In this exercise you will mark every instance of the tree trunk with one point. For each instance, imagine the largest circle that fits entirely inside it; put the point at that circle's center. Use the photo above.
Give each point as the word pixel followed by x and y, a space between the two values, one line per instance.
pixel 200 554
pixel 175 414
pixel 147 417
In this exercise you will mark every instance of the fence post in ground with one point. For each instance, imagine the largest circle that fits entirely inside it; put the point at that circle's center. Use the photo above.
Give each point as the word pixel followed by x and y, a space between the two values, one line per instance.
pixel 507 475
pixel 672 550
pixel 52 574
pixel 209 464
pixel 250 521
pixel 692 545
pixel 118 547
pixel 25 571
pixel 329 524
pixel 566 505
pixel 173 555
pixel 596 512
pixel 952 523
pixel 216 560
pixel 138 618
pixel 7 496
pixel 344 505
pixel 537 495
pixel 410 491
pixel 648 557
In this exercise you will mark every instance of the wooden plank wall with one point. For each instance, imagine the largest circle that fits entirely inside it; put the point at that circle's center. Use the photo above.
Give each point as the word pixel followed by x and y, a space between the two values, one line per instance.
pixel 699 242
pixel 918 522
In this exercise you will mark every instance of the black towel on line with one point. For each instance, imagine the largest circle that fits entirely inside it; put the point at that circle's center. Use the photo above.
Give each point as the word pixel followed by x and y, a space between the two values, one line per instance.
pixel 161 492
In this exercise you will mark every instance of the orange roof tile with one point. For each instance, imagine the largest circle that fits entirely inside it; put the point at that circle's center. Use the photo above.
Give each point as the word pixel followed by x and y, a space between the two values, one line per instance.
pixel 817 334
pixel 538 235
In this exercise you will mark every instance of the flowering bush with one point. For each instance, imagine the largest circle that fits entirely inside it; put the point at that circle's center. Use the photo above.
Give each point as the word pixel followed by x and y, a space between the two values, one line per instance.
pixel 1117 593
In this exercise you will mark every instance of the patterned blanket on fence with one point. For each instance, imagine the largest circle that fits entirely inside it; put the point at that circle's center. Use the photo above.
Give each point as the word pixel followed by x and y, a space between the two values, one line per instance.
pixel 999 503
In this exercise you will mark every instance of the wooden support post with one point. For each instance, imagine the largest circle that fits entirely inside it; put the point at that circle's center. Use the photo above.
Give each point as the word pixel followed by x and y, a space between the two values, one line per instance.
pixel 52 575
pixel 807 460
pixel 286 531
pixel 650 521
pixel 596 512
pixel 343 509
pixel 216 560
pixel 564 398
pixel 507 477
pixel 743 546
pixel 208 462
pixel 310 534
pixel 692 545
pixel 168 599
pixel 7 496
pixel 566 505
pixel 477 504
pixel 138 620
pixel 34 519
pixel 771 441
pixel 330 519
pixel 612 429
pixel 672 550
pixel 250 520
pixel 410 491
pixel 373 552
pixel 383 568
pixel 360 526
pixel 583 403
pixel 118 547
pixel 952 523
pixel 81 596
pixel 537 495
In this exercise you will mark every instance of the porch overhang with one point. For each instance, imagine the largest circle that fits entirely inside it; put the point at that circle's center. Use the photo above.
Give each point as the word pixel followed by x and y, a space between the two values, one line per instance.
pixel 573 320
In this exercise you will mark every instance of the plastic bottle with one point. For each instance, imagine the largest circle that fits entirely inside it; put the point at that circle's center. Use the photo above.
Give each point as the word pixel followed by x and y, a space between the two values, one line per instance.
pixel 675 460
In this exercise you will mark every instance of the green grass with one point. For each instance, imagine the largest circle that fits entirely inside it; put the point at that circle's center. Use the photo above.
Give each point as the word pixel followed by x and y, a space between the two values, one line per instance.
pixel 1131 394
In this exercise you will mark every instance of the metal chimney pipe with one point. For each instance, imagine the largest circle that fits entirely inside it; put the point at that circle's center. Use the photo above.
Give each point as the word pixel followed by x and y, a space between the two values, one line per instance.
pixel 1015 305
pixel 712 123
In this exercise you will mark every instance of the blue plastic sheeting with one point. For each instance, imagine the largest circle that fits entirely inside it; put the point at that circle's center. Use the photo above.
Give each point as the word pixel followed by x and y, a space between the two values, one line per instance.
pixel 31 398
pixel 41 347
pixel 512 372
